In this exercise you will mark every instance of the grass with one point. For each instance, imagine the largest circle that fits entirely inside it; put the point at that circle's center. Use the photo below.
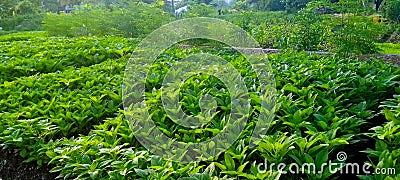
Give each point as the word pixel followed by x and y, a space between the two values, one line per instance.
pixel 389 48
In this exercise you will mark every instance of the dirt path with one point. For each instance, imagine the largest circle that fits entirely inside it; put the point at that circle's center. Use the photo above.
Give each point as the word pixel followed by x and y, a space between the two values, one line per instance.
pixel 12 167
pixel 391 58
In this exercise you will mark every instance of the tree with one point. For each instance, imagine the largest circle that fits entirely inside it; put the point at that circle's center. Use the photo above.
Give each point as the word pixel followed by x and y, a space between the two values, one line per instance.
pixel 63 3
pixel 392 10
pixel 267 5
pixel 50 5
pixel 295 5
pixel 241 5
pixel 7 7
pixel 276 5
pixel 27 7
pixel 15 7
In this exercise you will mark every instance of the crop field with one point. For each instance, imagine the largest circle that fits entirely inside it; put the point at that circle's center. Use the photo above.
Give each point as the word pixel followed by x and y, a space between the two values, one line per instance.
pixel 199 89
pixel 61 106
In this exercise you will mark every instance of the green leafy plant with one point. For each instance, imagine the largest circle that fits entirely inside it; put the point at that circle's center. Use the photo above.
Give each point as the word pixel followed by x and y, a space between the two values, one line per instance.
pixel 386 154
pixel 392 11
pixel 72 117
pixel 135 20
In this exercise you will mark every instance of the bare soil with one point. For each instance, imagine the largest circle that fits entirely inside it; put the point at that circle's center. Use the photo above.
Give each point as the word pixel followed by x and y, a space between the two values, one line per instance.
pixel 12 167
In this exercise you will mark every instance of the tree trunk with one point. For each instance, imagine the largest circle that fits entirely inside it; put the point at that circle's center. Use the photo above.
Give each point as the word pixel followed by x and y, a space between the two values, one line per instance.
pixel 173 6
pixel 378 4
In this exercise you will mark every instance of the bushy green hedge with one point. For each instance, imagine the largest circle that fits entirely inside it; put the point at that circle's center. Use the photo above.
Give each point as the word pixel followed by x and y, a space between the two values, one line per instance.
pixel 392 10
pixel 310 31
pixel 386 153
pixel 29 22
pixel 202 10
pixel 246 19
pixel 136 20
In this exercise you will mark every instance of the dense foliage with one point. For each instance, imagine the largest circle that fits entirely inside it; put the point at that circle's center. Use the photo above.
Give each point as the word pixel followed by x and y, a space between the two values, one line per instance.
pixel 136 20
pixel 71 118
pixel 392 10
pixel 309 31
pixel 298 25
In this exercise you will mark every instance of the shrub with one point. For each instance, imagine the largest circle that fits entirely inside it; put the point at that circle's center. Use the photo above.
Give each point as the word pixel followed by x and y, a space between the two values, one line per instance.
pixel 246 19
pixel 2 33
pixel 355 35
pixel 21 36
pixel 389 48
pixel 309 31
pixel 136 20
pixel 94 22
pixel 202 10
pixel 29 22
pixel 392 10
